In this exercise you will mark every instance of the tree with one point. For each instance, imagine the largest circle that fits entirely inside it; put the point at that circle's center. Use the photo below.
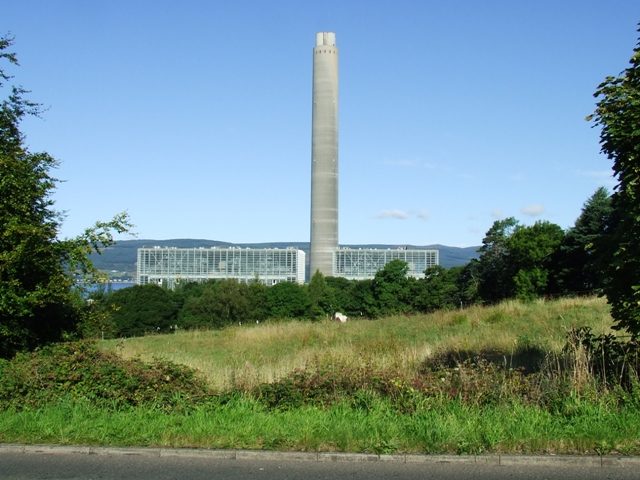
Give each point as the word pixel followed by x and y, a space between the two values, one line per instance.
pixel 468 282
pixel 362 302
pixel 321 302
pixel 516 260
pixel 340 292
pixel 531 254
pixel 582 257
pixel 494 271
pixel 618 114
pixel 97 321
pixel 287 300
pixel 437 290
pixel 258 308
pixel 220 303
pixel 391 288
pixel 37 270
pixel 142 309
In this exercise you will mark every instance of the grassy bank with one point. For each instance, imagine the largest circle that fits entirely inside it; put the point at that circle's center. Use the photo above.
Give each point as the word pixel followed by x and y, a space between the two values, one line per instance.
pixel 247 355
pixel 406 384
pixel 243 423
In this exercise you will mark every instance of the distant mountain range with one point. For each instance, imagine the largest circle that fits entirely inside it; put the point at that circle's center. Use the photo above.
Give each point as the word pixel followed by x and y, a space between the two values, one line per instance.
pixel 122 256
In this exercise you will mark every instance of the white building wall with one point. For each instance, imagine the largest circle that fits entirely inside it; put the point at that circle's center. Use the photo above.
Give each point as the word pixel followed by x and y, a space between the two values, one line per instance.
pixel 363 263
pixel 170 265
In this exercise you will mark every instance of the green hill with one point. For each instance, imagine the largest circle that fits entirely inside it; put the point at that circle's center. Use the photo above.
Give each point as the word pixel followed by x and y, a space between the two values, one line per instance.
pixel 250 354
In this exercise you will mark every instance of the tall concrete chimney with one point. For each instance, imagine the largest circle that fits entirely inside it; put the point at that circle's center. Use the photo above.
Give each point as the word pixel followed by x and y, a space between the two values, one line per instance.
pixel 324 155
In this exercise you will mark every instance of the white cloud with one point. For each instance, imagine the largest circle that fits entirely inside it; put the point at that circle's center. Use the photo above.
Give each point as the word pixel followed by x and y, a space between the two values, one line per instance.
pixel 396 214
pixel 533 210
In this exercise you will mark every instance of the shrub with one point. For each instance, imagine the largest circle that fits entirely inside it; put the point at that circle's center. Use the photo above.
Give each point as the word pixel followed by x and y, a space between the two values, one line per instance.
pixel 80 370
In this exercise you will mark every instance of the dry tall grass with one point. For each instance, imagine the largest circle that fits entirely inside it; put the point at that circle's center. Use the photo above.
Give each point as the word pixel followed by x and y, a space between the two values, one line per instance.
pixel 251 354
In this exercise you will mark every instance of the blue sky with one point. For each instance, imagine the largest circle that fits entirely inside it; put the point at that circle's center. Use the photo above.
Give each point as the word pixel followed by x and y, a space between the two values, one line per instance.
pixel 195 116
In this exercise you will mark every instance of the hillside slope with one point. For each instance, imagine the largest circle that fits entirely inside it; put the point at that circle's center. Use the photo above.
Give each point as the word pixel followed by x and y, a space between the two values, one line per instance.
pixel 249 354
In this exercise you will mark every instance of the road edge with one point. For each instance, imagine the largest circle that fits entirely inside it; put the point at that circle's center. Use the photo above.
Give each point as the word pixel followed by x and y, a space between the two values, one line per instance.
pixel 491 459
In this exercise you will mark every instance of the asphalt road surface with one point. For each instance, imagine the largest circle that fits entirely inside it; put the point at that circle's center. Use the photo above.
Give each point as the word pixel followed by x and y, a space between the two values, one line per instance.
pixel 71 466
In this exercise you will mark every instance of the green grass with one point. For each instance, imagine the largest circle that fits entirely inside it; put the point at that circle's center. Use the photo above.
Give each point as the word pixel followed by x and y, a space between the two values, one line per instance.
pixel 244 356
pixel 488 414
pixel 243 423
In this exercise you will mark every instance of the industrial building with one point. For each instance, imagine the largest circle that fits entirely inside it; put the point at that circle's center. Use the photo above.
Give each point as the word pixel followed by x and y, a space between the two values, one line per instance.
pixel 169 266
pixel 363 263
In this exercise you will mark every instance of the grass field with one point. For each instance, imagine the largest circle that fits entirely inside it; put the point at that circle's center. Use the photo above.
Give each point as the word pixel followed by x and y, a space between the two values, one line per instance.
pixel 246 355
pixel 365 371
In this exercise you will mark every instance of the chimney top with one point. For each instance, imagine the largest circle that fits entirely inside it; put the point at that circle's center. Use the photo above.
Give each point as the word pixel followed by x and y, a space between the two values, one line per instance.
pixel 325 39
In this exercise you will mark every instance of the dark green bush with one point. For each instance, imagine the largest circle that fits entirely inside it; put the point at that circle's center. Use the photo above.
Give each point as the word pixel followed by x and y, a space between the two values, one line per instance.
pixel 220 303
pixel 80 370
pixel 141 309
pixel 287 300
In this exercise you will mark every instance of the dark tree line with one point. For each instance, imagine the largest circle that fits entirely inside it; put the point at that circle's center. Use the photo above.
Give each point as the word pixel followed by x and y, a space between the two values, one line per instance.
pixel 219 303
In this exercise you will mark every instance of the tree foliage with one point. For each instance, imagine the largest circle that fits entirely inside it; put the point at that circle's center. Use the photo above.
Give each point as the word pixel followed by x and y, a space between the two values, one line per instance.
pixel 618 114
pixel 391 288
pixel 532 254
pixel 439 289
pixel 468 282
pixel 340 295
pixel 37 270
pixel 517 260
pixel 142 309
pixel 494 271
pixel 321 299
pixel 287 300
pixel 583 253
pixel 219 303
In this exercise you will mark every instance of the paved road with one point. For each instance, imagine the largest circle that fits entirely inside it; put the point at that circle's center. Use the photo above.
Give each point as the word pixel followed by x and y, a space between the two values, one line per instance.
pixel 103 466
